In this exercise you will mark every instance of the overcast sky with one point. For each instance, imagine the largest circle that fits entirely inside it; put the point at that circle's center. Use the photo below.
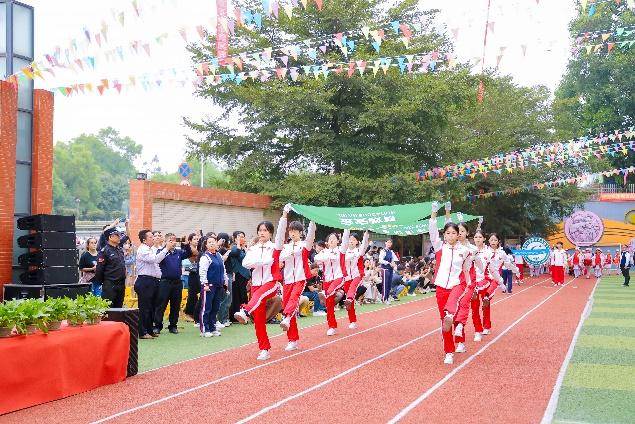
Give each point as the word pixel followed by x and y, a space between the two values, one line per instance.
pixel 154 117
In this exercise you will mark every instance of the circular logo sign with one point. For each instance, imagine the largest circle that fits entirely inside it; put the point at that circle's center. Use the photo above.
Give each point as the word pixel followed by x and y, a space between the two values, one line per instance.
pixel 583 228
pixel 629 218
pixel 185 170
pixel 541 248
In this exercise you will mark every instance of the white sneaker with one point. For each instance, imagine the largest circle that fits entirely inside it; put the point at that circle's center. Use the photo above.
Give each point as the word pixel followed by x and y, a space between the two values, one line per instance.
pixel 460 348
pixel 478 337
pixel 241 316
pixel 291 346
pixel 285 324
pixel 412 295
pixel 227 323
pixel 486 332
pixel 207 334
pixel 319 314
pixel 449 358
pixel 458 331
pixel 219 325
pixel 331 332
pixel 352 325
pixel 216 333
pixel 264 355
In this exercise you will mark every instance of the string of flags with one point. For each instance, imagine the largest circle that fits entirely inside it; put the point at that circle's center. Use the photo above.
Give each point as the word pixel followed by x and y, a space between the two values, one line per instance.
pixel 590 6
pixel 608 46
pixel 551 155
pixel 560 182
pixel 623 31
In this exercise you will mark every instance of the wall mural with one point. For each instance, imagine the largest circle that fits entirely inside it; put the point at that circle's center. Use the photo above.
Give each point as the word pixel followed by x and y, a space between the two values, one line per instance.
pixel 584 228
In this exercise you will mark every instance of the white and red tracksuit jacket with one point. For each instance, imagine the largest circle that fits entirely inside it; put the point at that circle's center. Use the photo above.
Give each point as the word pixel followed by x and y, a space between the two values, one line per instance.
pixel 608 260
pixel 295 256
pixel 264 260
pixel 490 266
pixel 598 260
pixel 576 259
pixel 354 260
pixel 558 258
pixel 519 260
pixel 332 260
pixel 453 263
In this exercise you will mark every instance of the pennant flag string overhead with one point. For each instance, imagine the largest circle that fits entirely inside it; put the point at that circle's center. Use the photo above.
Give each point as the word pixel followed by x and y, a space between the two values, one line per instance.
pixel 590 6
pixel 518 158
pixel 600 47
pixel 622 31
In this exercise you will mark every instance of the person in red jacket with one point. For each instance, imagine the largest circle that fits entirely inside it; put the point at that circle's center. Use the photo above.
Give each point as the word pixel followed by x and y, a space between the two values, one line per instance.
pixel 587 262
pixel 263 259
pixel 354 263
pixel 598 262
pixel 576 262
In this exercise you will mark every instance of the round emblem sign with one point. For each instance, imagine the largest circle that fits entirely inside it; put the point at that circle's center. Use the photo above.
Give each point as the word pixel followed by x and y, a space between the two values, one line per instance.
pixel 541 247
pixel 583 228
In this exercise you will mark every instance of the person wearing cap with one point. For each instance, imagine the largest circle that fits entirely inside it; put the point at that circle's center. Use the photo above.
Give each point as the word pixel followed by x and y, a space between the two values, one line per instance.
pixel 111 268
pixel 598 262
pixel 576 262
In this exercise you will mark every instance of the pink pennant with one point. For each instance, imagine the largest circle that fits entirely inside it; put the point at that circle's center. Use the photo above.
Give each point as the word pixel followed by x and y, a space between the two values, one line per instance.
pixel 183 33
pixel 323 48
pixel 351 69
pixel 318 4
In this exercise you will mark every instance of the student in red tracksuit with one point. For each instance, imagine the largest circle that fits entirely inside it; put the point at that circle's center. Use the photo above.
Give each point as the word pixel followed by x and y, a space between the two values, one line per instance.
pixel 559 259
pixel 519 261
pixel 576 262
pixel 453 263
pixel 263 259
pixel 608 262
pixel 295 259
pixel 616 261
pixel 332 260
pixel 354 264
pixel 588 262
pixel 598 262
pixel 493 258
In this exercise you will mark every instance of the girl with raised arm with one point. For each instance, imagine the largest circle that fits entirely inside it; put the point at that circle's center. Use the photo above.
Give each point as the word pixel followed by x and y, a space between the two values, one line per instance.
pixel 295 259
pixel 354 262
pixel 263 259
pixel 453 263
pixel 332 260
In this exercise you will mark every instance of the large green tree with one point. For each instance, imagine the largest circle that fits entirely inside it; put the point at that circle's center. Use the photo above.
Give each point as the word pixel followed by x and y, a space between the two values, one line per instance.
pixel 92 172
pixel 343 141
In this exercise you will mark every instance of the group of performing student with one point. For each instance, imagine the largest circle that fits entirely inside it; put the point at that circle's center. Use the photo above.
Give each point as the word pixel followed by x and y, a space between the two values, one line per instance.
pixel 466 278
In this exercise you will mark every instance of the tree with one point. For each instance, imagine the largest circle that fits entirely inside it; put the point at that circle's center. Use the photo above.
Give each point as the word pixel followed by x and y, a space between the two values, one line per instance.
pixel 596 93
pixel 352 141
pixel 94 169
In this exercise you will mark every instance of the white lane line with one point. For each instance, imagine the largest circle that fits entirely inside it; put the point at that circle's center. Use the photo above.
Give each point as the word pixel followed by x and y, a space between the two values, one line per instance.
pixel 266 364
pixel 451 374
pixel 555 395
pixel 355 368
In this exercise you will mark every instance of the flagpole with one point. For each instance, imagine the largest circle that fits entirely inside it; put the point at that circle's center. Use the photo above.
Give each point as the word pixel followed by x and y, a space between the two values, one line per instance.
pixel 481 85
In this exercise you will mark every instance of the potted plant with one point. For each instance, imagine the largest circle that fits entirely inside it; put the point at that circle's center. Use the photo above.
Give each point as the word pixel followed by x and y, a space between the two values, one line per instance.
pixel 57 309
pixel 8 317
pixel 94 308
pixel 76 313
pixel 34 315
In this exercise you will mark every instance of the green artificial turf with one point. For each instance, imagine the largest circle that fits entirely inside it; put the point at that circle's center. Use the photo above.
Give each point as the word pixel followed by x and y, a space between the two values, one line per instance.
pixel 171 348
pixel 599 385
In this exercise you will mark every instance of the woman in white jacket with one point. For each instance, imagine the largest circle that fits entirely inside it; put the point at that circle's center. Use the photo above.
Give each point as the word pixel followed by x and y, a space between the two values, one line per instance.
pixel 354 264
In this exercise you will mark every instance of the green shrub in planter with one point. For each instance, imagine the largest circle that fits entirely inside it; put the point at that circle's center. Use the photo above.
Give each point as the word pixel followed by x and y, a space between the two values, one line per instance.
pixel 95 307
pixel 8 318
pixel 57 309
pixel 33 313
pixel 76 313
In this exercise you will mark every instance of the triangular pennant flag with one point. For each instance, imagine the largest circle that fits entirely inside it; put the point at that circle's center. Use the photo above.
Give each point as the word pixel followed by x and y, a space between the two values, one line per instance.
pixel 146 47
pixel 183 32
pixel 305 3
pixel 101 89
pixel 318 3
pixel 406 41
pixel 351 69
pixel 294 74
pixel 288 9
pixel 405 28
pixel 455 33
pixel 365 31
pixel 275 8
pixel 98 39
pixel 395 26
pixel 611 46
pixel 376 45
pixel 606 36
pixel 323 49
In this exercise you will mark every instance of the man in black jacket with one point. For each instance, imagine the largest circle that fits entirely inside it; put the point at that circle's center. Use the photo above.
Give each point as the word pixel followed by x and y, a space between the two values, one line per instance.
pixel 111 269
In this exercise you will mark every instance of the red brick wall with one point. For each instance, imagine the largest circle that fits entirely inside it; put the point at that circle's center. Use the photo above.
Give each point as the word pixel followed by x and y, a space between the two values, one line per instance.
pixel 42 174
pixel 8 139
pixel 142 193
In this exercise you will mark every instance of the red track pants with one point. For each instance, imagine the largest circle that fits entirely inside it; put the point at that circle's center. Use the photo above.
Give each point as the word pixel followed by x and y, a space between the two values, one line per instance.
pixel 257 308
pixel 448 301
pixel 290 299
pixel 521 269
pixel 557 274
pixel 464 311
pixel 330 287
pixel 350 287
pixel 476 308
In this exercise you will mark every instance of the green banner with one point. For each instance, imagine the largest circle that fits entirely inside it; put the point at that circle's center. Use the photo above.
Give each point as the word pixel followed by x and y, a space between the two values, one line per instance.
pixel 391 220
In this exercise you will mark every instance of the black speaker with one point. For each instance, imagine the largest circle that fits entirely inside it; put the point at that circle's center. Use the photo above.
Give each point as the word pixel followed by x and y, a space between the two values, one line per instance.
pixel 47 258
pixel 48 223
pixel 67 290
pixel 20 291
pixel 54 275
pixel 130 317
pixel 48 241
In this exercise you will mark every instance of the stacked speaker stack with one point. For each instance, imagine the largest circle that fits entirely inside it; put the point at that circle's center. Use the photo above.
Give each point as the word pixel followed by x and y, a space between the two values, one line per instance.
pixel 51 263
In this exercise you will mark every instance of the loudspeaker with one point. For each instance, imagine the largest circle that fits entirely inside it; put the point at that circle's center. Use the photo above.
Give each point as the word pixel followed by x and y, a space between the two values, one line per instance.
pixel 47 223
pixel 54 275
pixel 130 317
pixel 67 290
pixel 48 241
pixel 19 291
pixel 47 258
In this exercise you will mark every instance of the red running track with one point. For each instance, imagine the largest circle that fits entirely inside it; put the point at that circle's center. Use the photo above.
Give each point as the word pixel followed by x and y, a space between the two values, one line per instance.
pixel 376 372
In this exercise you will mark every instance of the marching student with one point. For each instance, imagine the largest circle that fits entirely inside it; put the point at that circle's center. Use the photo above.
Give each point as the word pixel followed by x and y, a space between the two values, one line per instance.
pixel 519 261
pixel 263 259
pixel 354 264
pixel 559 258
pixel 453 263
pixel 576 262
pixel 608 262
pixel 616 261
pixel 332 261
pixel 388 264
pixel 587 262
pixel 295 259
pixel 213 283
pixel 598 262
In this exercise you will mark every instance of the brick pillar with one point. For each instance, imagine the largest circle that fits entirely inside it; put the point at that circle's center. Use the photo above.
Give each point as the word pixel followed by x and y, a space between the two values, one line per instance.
pixel 8 140
pixel 42 174
pixel 140 208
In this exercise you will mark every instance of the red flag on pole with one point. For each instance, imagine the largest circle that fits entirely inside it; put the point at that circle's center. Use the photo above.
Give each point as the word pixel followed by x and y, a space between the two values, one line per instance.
pixel 222 38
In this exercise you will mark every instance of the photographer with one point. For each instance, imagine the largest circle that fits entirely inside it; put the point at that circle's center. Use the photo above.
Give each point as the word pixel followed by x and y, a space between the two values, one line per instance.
pixel 312 291
pixel 193 283
pixel 170 287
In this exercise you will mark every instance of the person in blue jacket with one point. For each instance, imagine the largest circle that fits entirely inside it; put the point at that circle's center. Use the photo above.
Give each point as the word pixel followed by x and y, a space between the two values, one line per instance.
pixel 213 285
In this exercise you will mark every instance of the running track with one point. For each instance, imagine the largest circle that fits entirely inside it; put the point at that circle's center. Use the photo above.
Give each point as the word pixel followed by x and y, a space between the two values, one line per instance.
pixel 388 370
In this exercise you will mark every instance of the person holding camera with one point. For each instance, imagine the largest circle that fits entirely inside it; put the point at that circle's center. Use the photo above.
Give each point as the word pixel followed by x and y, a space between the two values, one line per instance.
pixel 193 283
pixel 170 288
